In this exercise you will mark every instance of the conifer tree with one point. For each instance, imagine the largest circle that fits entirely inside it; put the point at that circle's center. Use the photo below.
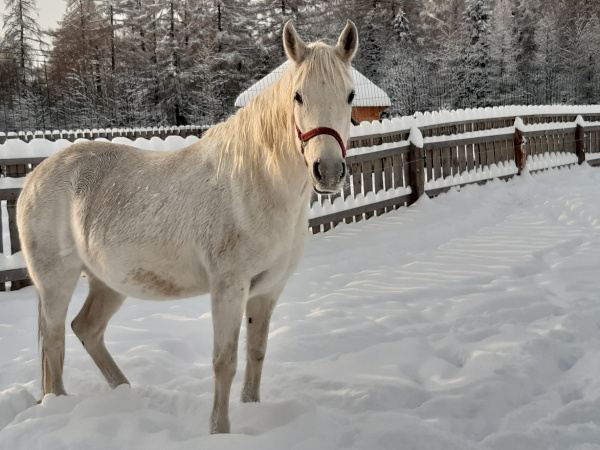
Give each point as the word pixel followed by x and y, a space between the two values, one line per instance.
pixel 474 68
pixel 22 34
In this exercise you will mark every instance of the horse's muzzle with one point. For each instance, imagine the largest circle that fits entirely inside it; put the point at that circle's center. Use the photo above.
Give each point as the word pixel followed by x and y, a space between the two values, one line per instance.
pixel 328 176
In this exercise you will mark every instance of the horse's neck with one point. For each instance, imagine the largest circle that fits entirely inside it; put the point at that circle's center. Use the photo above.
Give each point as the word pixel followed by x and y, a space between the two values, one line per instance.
pixel 286 176
pixel 290 184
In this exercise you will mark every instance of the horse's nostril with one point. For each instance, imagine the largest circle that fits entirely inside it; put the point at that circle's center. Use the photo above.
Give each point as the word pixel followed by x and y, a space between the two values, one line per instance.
pixel 343 175
pixel 317 170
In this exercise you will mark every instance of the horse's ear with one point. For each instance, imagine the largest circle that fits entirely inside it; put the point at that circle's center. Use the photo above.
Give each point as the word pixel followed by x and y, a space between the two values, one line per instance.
pixel 347 44
pixel 295 48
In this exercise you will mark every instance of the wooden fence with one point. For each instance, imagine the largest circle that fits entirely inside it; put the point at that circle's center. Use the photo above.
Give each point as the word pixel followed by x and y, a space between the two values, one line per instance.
pixel 461 151
pixel 388 170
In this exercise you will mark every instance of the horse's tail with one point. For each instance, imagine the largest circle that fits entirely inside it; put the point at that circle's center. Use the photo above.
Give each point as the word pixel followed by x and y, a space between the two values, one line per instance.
pixel 46 382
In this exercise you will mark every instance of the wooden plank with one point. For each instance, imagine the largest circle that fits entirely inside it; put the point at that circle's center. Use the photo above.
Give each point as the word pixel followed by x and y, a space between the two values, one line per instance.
pixel 462 159
pixel 398 168
pixel 470 154
pixel 367 173
pixel 378 180
pixel 15 243
pixel 437 164
pixel 483 149
pixel 499 152
pixel 489 153
pixel 482 155
pixel 551 143
pixel 541 147
pixel 547 143
pixel 314 198
pixel 437 191
pixel 454 160
pixel 10 193
pixel 383 153
pixel 14 275
pixel 533 143
pixel 558 129
pixel 510 151
pixel 429 161
pixel 332 198
pixel 388 173
pixel 359 210
pixel 347 191
pixel 19 284
pixel 579 144
pixel 594 163
pixel 406 169
pixel 446 162
pixel 388 176
pixel 417 173
pixel 501 121
pixel 357 183
pixel 518 150
pixel 591 128
pixel 466 140
pixel 560 142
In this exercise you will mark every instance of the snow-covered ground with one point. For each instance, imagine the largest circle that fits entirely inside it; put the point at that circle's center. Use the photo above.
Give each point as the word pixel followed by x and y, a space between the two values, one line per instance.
pixel 469 321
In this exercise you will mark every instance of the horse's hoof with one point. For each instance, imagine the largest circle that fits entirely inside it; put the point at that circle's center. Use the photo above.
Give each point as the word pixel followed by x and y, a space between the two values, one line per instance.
pixel 220 428
pixel 250 398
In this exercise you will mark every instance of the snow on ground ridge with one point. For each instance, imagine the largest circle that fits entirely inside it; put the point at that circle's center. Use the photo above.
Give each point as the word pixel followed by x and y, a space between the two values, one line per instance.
pixel 468 321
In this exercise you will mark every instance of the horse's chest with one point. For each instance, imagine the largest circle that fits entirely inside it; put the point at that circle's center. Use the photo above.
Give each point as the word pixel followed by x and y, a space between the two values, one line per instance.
pixel 278 259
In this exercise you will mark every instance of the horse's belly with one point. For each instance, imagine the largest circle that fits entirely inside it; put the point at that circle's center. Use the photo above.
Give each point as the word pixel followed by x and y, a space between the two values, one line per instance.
pixel 149 275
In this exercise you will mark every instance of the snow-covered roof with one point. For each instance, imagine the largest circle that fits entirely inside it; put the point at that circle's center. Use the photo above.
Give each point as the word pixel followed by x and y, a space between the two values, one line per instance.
pixel 366 92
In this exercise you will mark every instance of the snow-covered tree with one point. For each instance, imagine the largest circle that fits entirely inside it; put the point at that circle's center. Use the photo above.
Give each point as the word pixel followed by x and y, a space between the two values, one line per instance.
pixel 22 34
pixel 474 63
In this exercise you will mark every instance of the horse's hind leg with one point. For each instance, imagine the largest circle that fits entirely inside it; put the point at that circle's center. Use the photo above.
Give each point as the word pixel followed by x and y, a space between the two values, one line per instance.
pixel 89 326
pixel 258 315
pixel 55 289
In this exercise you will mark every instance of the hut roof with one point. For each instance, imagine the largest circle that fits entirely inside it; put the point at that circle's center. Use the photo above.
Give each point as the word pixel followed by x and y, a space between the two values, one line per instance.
pixel 366 92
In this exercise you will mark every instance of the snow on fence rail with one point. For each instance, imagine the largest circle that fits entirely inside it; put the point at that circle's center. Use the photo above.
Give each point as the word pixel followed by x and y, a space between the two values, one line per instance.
pixel 390 164
pixel 108 133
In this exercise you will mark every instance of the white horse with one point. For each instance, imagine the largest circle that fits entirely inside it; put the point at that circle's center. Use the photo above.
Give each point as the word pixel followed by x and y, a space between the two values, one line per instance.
pixel 226 215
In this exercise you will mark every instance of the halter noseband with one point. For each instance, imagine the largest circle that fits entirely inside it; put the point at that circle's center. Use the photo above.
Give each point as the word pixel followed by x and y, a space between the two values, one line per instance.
pixel 304 138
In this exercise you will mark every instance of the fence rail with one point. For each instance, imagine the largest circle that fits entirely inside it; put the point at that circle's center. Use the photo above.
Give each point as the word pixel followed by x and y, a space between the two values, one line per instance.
pixel 108 133
pixel 388 168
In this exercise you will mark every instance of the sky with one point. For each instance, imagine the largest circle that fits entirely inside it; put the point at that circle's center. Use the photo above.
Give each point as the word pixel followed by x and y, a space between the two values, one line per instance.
pixel 51 11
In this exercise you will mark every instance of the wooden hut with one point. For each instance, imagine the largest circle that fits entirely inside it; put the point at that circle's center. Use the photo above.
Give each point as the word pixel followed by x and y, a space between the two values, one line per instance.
pixel 369 102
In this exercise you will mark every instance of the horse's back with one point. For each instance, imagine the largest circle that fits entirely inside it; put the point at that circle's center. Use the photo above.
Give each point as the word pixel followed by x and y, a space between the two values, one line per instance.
pixel 75 172
pixel 81 203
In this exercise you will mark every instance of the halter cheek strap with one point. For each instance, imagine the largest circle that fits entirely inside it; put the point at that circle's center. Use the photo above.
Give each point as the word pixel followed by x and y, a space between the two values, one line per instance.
pixel 305 137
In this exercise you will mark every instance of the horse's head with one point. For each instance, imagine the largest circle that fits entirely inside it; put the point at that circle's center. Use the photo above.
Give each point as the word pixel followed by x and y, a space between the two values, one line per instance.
pixel 322 95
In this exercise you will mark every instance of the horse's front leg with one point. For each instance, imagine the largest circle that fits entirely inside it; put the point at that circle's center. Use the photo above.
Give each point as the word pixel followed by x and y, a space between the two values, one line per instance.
pixel 228 300
pixel 258 315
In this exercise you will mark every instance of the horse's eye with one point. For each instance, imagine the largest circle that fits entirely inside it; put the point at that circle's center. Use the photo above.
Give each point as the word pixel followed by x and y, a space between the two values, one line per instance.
pixel 351 97
pixel 298 98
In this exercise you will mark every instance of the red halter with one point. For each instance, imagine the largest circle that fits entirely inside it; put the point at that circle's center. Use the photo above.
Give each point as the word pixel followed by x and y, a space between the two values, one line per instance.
pixel 304 138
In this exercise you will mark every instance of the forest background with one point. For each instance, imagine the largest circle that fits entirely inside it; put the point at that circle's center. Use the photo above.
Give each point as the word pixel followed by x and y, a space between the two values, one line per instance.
pixel 131 63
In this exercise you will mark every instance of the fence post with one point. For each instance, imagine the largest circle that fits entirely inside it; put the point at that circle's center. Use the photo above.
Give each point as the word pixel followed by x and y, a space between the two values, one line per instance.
pixel 518 143
pixel 580 139
pixel 416 165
